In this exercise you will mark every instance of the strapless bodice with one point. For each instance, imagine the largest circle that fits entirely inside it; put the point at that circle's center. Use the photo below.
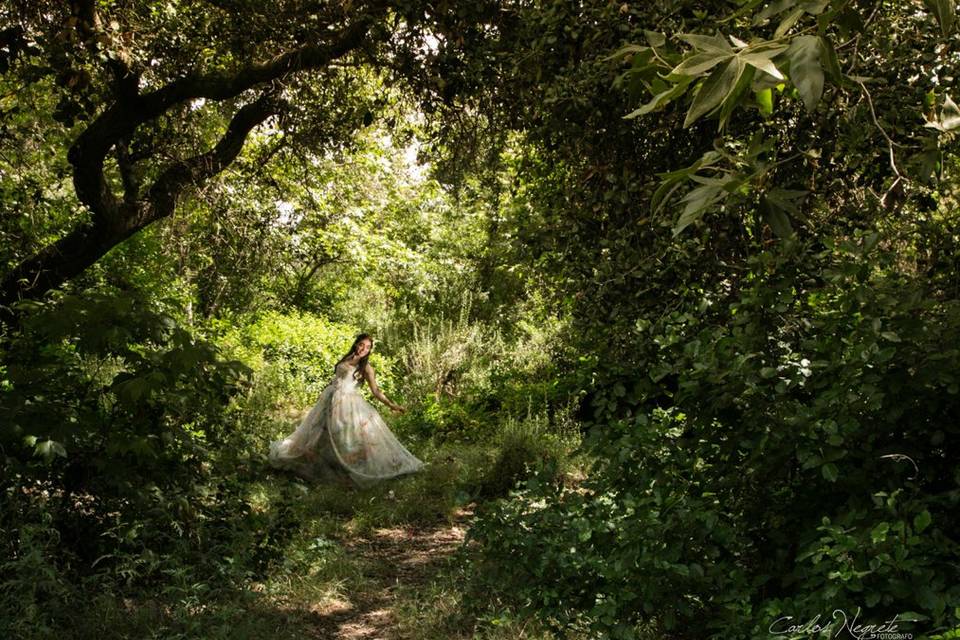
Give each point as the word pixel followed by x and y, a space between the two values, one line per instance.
pixel 344 377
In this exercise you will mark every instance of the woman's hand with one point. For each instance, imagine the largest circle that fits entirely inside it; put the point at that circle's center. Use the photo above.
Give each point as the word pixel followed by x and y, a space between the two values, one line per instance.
pixel 398 409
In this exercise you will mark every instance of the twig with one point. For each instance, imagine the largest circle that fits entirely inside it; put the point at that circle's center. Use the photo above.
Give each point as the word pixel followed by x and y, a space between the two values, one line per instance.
pixel 897 457
pixel 890 143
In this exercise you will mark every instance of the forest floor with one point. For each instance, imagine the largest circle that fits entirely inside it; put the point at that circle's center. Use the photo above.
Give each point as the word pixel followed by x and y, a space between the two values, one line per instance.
pixel 383 563
pixel 390 562
pixel 402 561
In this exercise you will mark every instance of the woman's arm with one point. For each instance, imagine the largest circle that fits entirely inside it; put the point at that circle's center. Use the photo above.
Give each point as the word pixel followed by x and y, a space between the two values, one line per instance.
pixel 375 390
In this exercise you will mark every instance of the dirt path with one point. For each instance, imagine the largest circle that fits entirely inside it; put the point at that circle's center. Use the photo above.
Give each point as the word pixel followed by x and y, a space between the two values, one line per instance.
pixel 400 557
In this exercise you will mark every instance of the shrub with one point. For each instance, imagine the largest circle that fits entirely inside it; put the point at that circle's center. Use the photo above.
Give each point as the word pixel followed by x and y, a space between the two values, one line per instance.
pixel 119 468
pixel 525 448
pixel 800 468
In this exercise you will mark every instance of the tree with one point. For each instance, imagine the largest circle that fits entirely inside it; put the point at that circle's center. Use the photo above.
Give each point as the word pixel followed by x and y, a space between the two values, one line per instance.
pixel 131 81
pixel 752 302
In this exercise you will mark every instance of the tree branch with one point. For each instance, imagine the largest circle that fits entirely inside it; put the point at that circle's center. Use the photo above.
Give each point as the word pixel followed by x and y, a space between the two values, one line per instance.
pixel 120 120
pixel 85 245
pixel 114 221
pixel 165 191
pixel 131 186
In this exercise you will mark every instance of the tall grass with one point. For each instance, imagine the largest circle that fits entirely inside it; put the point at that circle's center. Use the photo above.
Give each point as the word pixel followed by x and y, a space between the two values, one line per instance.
pixel 260 550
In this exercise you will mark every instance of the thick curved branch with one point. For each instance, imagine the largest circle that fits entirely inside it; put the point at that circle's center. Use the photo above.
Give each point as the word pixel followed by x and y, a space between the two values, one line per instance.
pixel 224 85
pixel 131 185
pixel 113 219
pixel 76 251
pixel 119 122
pixel 196 170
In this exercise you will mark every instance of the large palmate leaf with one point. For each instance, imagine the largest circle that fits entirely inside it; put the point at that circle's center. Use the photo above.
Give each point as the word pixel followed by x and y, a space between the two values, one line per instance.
pixel 730 103
pixel 715 90
pixel 707 44
pixel 763 60
pixel 806 73
pixel 700 63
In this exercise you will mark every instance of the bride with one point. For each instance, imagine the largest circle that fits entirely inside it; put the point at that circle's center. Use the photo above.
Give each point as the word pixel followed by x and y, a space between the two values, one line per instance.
pixel 343 437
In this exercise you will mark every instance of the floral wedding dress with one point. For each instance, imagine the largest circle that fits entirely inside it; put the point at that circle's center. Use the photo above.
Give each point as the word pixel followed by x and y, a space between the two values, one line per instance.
pixel 343 438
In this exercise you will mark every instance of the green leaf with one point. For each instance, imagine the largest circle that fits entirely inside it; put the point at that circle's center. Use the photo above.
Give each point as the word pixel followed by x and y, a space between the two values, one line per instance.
pixel 661 99
pixel 805 70
pixel 921 521
pixel 131 389
pixel 774 8
pixel 787 200
pixel 815 7
pixel 673 179
pixel 787 23
pixel 624 51
pixel 48 449
pixel 698 201
pixel 764 99
pixel 654 38
pixel 830 472
pixel 764 80
pixel 763 61
pixel 715 44
pixel 715 90
pixel 745 8
pixel 700 63
pixel 924 164
pixel 663 193
pixel 831 62
pixel 776 216
pixel 945 12
pixel 879 532
pixel 731 102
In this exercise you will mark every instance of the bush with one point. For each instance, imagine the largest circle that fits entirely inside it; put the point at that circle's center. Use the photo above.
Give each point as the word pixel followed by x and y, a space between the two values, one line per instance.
pixel 800 469
pixel 120 468
pixel 449 358
pixel 525 448
pixel 294 354
pixel 109 394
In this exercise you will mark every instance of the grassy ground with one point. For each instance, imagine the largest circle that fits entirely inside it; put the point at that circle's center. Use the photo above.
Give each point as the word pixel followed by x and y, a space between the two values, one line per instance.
pixel 385 562
pixel 380 563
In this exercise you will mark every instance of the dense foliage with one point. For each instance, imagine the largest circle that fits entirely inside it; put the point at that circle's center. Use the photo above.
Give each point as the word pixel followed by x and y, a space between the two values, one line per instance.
pixel 766 313
pixel 714 243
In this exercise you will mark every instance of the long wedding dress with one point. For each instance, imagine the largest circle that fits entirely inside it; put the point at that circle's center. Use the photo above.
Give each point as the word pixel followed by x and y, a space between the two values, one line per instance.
pixel 343 438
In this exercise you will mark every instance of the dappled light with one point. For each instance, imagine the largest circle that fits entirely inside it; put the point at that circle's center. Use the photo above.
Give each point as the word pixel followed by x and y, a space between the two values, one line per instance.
pixel 497 320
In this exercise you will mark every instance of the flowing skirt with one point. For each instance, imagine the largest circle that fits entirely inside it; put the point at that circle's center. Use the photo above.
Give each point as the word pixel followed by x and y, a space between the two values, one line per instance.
pixel 343 438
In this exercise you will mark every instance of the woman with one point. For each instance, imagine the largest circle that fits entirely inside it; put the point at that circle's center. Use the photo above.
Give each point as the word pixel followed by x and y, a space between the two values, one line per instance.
pixel 343 437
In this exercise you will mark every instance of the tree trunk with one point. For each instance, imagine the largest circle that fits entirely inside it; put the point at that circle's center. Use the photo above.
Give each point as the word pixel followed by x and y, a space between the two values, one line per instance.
pixel 114 218
pixel 72 254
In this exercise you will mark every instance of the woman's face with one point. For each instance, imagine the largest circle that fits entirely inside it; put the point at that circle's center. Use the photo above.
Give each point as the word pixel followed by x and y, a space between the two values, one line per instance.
pixel 364 347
